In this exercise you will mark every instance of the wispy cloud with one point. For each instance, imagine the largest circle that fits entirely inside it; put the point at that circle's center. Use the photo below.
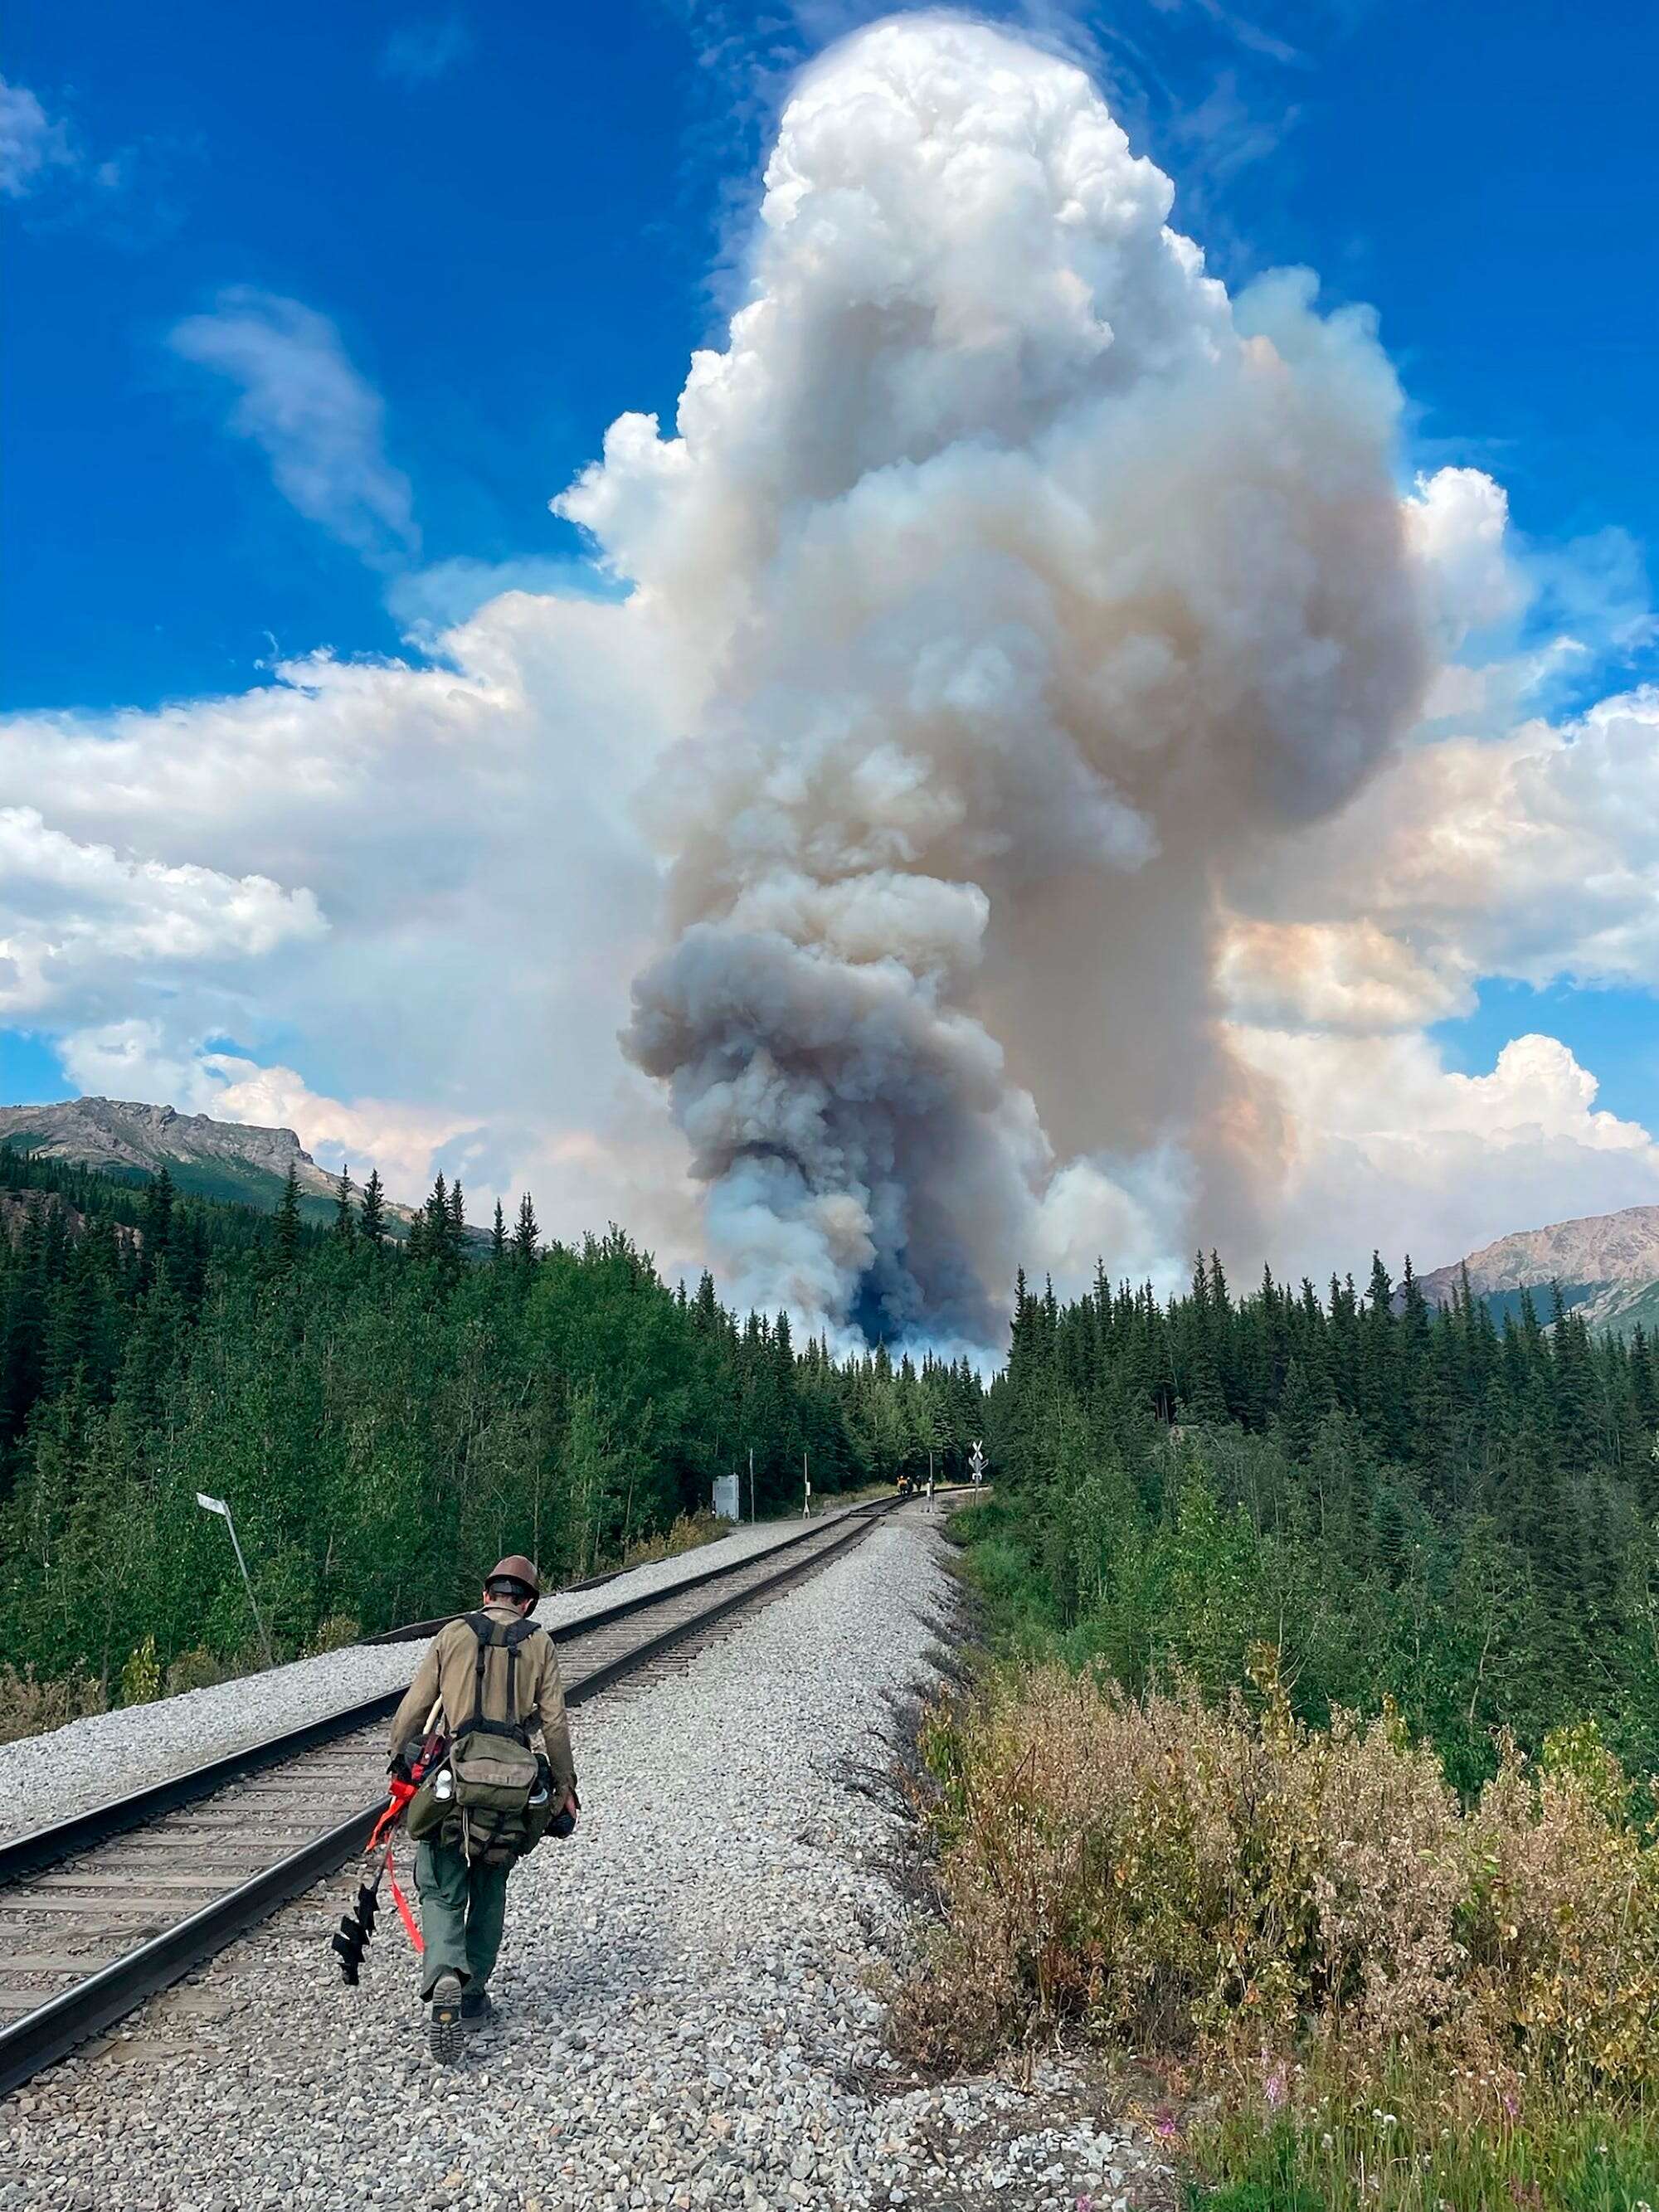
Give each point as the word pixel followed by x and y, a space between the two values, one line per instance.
pixel 1226 133
pixel 1597 588
pixel 422 50
pixel 120 194
pixel 318 422
pixel 1255 37
pixel 32 144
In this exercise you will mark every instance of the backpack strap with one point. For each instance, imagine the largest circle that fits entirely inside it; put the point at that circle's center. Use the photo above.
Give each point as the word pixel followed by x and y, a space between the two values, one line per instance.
pixel 516 1633
pixel 498 1635
pixel 485 1629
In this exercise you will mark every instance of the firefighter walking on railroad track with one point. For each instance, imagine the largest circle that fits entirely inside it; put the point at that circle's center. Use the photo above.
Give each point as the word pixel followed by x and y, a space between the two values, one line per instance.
pixel 483 1733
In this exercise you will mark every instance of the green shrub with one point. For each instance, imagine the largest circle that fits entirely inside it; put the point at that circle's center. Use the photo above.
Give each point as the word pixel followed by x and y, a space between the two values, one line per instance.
pixel 141 1678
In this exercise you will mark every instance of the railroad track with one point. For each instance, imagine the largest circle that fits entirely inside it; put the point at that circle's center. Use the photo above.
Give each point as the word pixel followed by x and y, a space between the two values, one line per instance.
pixel 105 1909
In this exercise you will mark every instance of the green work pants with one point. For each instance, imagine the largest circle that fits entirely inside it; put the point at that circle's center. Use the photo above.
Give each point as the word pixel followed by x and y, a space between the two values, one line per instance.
pixel 462 1909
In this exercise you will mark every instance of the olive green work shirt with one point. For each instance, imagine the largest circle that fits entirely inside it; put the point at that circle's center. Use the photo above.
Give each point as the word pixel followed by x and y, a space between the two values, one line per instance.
pixel 446 1675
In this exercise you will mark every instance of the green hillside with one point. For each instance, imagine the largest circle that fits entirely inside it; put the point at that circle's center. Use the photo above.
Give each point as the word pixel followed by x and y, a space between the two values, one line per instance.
pixel 1619 1310
pixel 1611 1309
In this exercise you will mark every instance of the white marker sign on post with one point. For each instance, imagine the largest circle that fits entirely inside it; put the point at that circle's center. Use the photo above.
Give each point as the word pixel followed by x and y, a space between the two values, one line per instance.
pixel 218 1505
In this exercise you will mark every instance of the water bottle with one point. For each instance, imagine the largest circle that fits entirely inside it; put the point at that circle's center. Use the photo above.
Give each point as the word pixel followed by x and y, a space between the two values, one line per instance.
pixel 444 1787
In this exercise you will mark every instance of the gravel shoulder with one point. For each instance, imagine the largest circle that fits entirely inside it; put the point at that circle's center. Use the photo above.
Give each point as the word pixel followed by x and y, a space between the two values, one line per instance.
pixel 690 2009
pixel 49 1777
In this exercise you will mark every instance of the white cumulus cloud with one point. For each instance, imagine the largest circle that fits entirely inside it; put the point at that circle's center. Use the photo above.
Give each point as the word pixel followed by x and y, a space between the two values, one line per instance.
pixel 464 832
pixel 77 919
pixel 1532 855
pixel 1395 1150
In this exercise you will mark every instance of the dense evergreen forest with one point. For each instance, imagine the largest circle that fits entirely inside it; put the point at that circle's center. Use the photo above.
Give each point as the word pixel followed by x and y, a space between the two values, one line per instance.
pixel 1409 1504
pixel 383 1417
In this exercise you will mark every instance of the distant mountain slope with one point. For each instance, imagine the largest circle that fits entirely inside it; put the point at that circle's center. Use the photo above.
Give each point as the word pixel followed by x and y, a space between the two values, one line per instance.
pixel 209 1158
pixel 1606 1265
pixel 19 1208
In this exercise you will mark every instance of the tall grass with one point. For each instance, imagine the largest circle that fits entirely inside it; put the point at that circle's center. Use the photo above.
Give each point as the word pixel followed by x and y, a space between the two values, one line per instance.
pixel 1405 2156
pixel 1369 1992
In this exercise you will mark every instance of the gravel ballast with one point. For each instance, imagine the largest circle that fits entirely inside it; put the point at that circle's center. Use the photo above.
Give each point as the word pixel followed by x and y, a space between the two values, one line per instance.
pixel 689 2012
pixel 49 1777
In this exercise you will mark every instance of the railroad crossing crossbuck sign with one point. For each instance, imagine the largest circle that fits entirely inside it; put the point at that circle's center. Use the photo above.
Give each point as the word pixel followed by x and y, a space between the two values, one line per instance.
pixel 977 1463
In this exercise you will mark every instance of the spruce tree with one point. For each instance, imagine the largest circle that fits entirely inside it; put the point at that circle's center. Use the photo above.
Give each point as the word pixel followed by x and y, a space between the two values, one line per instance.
pixel 526 1244
pixel 1377 1371
pixel 1578 1411
pixel 345 1218
pixel 440 1244
pixel 157 1229
pixel 1298 1412
pixel 437 1218
pixel 286 1242
pixel 371 1214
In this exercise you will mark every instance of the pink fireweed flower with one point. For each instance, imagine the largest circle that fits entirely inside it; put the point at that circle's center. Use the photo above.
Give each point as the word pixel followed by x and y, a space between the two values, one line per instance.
pixel 1165 2126
pixel 1276 2087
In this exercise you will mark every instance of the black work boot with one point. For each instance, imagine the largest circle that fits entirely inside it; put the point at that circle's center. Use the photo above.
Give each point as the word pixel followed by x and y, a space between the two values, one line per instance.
pixel 477 2009
pixel 447 2003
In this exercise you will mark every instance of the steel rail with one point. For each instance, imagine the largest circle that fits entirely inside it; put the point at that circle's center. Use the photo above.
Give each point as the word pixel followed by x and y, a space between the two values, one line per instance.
pixel 415 1631
pixel 30 1853
pixel 54 2029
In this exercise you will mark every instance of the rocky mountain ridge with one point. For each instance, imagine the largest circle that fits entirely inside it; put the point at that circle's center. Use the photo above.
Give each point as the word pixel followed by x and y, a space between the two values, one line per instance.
pixel 227 1160
pixel 106 1132
pixel 1606 1266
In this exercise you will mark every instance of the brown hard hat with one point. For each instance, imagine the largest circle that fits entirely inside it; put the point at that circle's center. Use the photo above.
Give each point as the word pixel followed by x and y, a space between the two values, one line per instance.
pixel 517 1569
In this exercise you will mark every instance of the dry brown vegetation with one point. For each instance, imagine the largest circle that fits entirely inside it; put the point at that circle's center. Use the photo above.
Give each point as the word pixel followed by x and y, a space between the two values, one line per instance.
pixel 686 1532
pixel 1261 1902
pixel 28 1707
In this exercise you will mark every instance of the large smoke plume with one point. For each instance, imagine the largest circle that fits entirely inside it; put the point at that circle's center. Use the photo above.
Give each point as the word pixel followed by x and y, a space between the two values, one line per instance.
pixel 1031 587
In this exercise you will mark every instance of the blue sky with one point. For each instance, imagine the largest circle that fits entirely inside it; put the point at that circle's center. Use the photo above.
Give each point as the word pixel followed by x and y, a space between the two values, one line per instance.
pixel 516 221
